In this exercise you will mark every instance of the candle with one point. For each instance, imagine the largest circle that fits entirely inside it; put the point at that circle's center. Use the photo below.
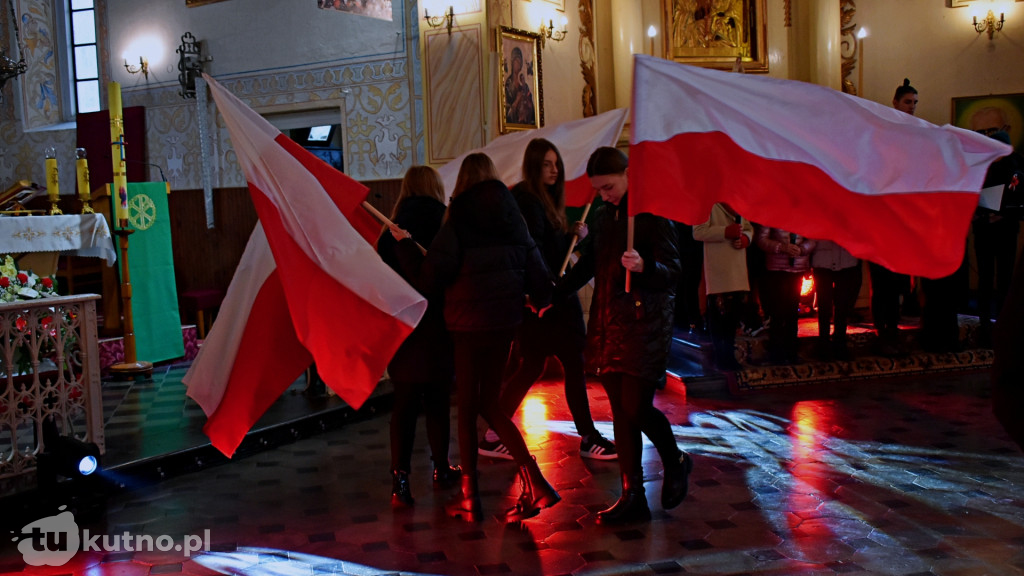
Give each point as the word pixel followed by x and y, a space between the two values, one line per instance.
pixel 651 33
pixel 82 171
pixel 52 179
pixel 120 185
pixel 861 35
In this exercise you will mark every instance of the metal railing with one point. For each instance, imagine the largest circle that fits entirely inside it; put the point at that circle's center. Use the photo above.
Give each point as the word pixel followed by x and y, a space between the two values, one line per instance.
pixel 49 367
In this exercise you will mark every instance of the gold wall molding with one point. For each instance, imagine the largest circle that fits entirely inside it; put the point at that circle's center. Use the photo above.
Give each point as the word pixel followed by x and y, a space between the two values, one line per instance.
pixel 848 44
pixel 588 57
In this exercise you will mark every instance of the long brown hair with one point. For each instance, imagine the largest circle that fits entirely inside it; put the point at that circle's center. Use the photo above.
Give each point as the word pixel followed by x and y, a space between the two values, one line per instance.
pixel 420 181
pixel 476 168
pixel 551 198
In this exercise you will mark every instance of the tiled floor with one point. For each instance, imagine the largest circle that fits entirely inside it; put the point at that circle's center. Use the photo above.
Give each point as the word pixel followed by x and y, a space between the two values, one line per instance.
pixel 908 477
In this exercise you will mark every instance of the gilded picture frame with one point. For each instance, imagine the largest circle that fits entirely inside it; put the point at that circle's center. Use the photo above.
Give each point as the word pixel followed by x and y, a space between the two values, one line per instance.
pixel 520 81
pixel 987 114
pixel 714 33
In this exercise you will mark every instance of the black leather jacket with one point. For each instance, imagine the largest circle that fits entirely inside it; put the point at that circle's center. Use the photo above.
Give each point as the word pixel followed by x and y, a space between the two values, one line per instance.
pixel 628 332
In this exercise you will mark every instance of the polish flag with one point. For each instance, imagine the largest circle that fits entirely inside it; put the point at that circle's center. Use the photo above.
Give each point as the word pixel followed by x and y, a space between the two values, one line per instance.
pixel 575 141
pixel 310 287
pixel 887 186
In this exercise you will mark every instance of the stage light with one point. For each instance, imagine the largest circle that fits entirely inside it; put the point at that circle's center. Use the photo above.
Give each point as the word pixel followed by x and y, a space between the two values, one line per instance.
pixel 64 456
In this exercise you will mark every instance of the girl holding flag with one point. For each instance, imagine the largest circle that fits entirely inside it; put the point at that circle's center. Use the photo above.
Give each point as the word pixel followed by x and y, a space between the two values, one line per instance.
pixel 630 331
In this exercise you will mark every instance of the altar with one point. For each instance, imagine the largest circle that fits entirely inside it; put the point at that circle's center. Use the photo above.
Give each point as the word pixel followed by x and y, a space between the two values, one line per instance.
pixel 36 241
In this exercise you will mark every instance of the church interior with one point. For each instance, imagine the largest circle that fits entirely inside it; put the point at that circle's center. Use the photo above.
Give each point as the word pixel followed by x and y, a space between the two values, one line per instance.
pixel 872 465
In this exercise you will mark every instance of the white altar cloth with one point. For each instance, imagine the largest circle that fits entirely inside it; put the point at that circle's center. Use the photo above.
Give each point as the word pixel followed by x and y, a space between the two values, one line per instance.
pixel 75 234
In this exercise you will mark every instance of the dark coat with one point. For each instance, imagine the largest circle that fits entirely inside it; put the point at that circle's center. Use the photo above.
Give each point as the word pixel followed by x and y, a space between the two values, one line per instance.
pixel 630 332
pixel 565 318
pixel 484 261
pixel 426 355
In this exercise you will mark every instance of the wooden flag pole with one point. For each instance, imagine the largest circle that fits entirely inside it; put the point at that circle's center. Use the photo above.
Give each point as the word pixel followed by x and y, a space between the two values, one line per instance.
pixel 629 246
pixel 575 238
pixel 386 221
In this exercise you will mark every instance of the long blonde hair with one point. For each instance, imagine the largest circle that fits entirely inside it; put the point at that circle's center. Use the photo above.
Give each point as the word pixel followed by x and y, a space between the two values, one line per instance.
pixel 420 181
pixel 476 168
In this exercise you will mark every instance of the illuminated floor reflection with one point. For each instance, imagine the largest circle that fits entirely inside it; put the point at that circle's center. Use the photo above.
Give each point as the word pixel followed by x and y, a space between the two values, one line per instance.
pixel 909 478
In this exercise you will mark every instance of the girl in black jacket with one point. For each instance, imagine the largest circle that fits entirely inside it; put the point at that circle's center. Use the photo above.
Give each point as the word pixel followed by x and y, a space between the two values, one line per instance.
pixel 485 262
pixel 561 333
pixel 421 370
pixel 629 333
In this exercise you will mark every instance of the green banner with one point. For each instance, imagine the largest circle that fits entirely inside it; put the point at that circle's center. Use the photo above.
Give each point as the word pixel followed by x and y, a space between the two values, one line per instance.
pixel 151 269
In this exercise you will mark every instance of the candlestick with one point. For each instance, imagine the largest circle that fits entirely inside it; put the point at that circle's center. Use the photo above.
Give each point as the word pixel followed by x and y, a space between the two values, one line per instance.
pixel 82 171
pixel 651 33
pixel 120 184
pixel 52 180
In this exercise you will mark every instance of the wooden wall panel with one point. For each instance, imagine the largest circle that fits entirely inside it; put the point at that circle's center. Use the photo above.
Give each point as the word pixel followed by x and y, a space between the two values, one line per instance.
pixel 205 258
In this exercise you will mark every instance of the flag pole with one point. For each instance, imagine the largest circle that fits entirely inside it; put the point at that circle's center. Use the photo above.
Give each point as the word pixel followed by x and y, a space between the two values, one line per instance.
pixel 575 238
pixel 629 245
pixel 386 221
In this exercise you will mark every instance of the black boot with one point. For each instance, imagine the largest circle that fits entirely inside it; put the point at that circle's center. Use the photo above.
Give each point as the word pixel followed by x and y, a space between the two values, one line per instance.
pixel 467 504
pixel 677 480
pixel 401 493
pixel 536 494
pixel 631 506
pixel 446 476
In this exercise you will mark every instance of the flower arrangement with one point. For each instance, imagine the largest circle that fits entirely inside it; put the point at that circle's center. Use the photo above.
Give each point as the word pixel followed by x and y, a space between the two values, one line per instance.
pixel 23 285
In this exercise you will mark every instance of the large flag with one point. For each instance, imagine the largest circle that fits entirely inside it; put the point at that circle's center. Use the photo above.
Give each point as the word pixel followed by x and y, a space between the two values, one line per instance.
pixel 885 185
pixel 575 141
pixel 310 287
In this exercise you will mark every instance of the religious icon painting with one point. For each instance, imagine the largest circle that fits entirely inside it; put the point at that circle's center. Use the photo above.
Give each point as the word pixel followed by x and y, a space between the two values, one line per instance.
pixel 520 86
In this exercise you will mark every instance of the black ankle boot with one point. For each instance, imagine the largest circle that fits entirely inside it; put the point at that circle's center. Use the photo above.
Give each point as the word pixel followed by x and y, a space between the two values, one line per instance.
pixel 677 481
pixel 630 507
pixel 536 494
pixel 401 493
pixel 466 505
pixel 446 476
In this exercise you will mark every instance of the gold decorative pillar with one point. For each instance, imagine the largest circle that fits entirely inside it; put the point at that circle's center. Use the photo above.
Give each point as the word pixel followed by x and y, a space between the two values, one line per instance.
pixel 627 39
pixel 826 60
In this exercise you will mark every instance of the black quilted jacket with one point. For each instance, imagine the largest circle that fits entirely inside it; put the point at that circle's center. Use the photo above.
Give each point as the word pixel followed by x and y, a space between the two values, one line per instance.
pixel 484 261
pixel 628 332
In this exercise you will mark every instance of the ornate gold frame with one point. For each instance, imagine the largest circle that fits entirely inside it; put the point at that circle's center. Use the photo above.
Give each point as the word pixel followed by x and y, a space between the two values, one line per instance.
pixel 696 39
pixel 509 38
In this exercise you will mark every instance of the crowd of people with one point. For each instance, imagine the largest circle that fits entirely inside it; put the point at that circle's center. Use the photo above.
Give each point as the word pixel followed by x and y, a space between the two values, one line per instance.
pixel 491 264
pixel 492 274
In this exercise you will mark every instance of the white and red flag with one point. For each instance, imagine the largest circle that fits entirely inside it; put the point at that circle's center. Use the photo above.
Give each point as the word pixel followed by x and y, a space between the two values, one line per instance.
pixel 575 141
pixel 887 186
pixel 310 287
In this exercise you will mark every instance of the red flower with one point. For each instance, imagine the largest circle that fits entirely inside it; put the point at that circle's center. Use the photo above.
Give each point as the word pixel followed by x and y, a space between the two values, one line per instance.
pixel 4 281
pixel 22 277
pixel 47 282
pixel 21 323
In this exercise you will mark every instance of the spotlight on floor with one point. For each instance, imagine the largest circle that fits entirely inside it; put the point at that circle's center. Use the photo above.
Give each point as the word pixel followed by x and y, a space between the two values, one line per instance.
pixel 65 456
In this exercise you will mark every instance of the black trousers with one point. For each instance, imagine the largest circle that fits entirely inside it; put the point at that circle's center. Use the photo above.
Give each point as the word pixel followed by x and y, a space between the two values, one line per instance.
pixel 480 359
pixel 724 311
pixel 886 287
pixel 537 341
pixel 995 247
pixel 837 295
pixel 434 398
pixel 781 293
pixel 633 413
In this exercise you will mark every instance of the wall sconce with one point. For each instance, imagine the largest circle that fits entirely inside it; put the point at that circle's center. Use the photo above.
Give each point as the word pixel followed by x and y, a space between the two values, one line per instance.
pixel 142 67
pixel 190 64
pixel 549 31
pixel 438 21
pixel 989 24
